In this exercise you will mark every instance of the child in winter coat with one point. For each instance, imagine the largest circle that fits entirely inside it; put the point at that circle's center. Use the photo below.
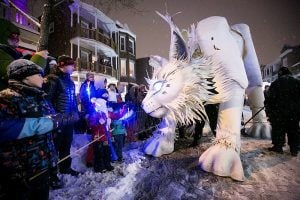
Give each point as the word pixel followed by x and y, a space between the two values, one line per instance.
pixel 27 151
pixel 98 122
pixel 118 130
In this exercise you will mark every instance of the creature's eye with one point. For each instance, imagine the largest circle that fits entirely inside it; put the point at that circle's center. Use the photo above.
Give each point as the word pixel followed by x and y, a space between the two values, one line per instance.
pixel 158 85
pixel 212 38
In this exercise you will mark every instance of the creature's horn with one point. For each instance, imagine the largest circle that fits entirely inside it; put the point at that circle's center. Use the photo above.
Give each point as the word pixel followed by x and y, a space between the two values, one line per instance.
pixel 157 63
pixel 178 49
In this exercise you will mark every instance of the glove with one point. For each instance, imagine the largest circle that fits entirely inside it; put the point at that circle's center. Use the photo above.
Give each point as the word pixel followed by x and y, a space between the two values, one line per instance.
pixel 61 120
pixel 74 117
pixel 101 121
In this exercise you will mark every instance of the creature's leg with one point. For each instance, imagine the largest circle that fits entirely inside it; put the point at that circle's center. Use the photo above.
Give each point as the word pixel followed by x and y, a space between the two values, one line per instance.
pixel 261 127
pixel 162 141
pixel 198 132
pixel 223 157
pixel 212 113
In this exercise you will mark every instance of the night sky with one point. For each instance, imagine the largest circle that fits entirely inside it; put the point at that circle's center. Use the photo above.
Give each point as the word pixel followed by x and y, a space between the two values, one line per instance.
pixel 273 23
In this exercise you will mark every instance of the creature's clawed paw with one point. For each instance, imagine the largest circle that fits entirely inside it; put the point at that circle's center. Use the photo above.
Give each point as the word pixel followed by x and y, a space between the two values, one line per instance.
pixel 260 130
pixel 222 161
pixel 158 145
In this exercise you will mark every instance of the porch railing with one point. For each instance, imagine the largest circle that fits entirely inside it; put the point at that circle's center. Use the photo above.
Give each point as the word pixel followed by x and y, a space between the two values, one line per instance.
pixel 96 67
pixel 79 31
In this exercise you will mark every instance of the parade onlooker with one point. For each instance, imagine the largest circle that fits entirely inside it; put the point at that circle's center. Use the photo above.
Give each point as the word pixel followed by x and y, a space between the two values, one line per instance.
pixel 113 95
pixel 98 121
pixel 100 84
pixel 87 92
pixel 26 146
pixel 118 130
pixel 283 110
pixel 100 92
pixel 61 93
pixel 9 41
pixel 50 66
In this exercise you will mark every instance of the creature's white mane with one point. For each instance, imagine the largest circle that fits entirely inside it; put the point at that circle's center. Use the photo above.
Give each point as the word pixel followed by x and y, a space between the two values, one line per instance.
pixel 197 89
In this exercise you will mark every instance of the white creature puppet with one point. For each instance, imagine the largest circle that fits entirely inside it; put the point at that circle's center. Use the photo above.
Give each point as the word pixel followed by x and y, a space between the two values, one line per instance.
pixel 182 85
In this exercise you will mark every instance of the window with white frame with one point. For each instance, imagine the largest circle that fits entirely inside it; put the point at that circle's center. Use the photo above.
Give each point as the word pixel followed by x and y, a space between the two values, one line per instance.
pixel 84 56
pixel 131 46
pixel 19 18
pixel 123 67
pixel 122 43
pixel 131 68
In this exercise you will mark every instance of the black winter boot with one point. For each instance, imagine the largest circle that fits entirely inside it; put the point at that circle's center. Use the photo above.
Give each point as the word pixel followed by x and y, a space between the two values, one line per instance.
pixel 56 183
pixel 294 151
pixel 276 149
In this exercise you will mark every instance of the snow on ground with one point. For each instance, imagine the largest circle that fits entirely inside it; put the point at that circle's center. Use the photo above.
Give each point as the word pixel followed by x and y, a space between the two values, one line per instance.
pixel 177 175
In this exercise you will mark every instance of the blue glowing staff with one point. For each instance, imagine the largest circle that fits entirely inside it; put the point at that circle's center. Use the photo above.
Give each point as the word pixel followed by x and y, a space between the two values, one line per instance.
pixel 127 115
pixel 113 156
pixel 88 90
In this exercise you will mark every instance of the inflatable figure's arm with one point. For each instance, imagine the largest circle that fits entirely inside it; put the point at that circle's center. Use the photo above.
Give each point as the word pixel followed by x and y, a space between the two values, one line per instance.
pixel 162 141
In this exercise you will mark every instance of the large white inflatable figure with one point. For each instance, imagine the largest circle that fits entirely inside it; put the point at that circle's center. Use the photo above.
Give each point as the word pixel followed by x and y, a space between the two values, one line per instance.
pixel 182 85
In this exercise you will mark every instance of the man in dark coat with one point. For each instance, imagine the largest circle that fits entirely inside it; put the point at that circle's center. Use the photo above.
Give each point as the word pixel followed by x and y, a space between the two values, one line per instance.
pixel 61 93
pixel 283 110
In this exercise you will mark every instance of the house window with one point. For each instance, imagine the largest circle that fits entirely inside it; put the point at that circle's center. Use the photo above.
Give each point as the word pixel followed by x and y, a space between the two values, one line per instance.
pixel 131 46
pixel 19 18
pixel 83 24
pixel 131 68
pixel 123 67
pixel 122 43
pixel 51 27
pixel 84 56
pixel 2 12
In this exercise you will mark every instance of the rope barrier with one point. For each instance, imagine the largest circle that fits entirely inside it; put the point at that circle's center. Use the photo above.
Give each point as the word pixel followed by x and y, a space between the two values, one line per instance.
pixel 65 158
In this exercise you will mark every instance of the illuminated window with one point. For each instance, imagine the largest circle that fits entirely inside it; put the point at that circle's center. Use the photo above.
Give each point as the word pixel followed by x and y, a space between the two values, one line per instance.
pixel 123 67
pixel 131 68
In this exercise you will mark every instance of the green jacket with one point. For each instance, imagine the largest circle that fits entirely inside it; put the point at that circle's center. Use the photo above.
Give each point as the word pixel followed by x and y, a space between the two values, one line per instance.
pixel 118 127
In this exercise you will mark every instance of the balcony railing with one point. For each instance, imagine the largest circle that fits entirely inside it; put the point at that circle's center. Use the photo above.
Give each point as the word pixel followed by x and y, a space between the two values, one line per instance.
pixel 13 15
pixel 79 31
pixel 96 67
